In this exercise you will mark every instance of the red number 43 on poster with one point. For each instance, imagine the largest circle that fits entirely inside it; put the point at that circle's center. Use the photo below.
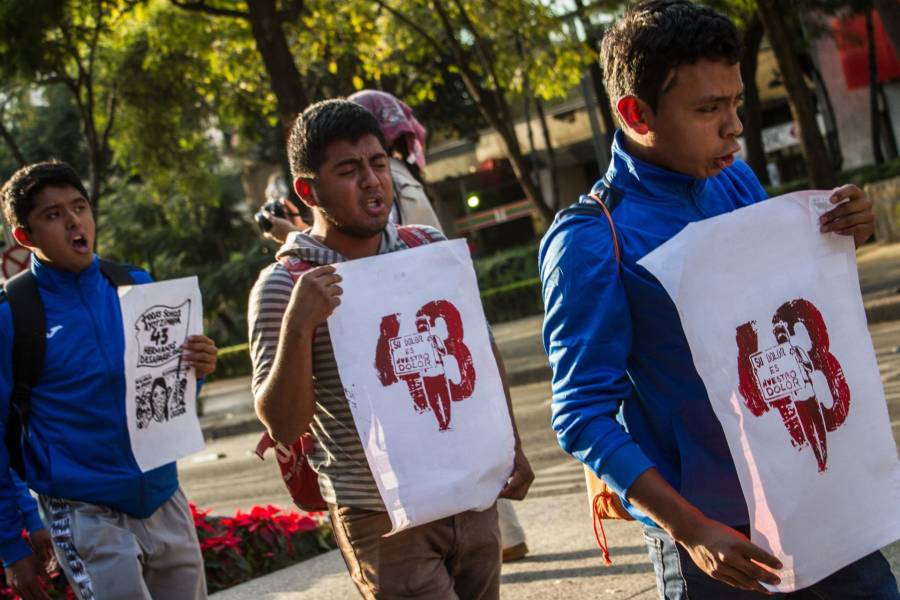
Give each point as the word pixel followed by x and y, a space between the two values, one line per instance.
pixel 420 359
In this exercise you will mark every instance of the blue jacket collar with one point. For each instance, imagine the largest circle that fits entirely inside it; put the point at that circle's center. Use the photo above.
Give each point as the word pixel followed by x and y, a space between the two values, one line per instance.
pixel 634 176
pixel 52 278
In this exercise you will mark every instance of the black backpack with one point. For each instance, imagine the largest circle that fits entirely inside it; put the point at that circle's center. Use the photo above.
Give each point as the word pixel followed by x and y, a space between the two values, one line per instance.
pixel 29 345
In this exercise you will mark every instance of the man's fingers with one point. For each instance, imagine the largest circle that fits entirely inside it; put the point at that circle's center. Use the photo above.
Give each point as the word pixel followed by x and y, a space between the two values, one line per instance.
pixel 329 279
pixel 513 491
pixel 757 573
pixel 519 483
pixel 845 191
pixel 755 553
pixel 320 271
pixel 854 207
pixel 736 578
pixel 865 228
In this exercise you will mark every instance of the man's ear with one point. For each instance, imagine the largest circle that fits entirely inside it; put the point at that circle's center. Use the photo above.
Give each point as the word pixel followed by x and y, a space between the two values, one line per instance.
pixel 635 114
pixel 304 190
pixel 21 236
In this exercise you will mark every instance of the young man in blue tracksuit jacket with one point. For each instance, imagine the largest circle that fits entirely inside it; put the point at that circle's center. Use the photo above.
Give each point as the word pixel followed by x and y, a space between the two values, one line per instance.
pixel 117 532
pixel 612 334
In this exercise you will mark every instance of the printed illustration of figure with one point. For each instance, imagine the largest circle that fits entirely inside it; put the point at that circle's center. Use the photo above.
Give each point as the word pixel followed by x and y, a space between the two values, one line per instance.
pixel 159 398
pixel 144 406
pixel 806 404
pixel 177 405
pixel 434 378
pixel 781 377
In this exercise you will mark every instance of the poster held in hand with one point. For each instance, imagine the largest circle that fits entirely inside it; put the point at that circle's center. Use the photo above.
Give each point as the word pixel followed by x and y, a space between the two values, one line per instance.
pixel 772 312
pixel 414 355
pixel 161 392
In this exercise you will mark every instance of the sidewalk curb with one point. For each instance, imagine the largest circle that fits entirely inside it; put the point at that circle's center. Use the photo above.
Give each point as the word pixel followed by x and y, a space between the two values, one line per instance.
pixel 881 310
pixel 229 427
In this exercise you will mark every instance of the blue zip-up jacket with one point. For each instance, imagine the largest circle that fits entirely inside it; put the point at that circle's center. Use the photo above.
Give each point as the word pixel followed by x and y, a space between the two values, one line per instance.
pixel 28 508
pixel 614 338
pixel 77 444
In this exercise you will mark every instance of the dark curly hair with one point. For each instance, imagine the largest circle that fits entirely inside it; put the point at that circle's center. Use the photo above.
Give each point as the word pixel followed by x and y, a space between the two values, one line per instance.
pixel 323 123
pixel 654 38
pixel 18 193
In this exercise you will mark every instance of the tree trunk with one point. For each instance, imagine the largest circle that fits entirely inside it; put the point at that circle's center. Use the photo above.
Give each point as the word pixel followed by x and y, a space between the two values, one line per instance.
pixel 887 128
pixel 593 39
pixel 874 116
pixel 756 154
pixel 555 200
pixel 492 106
pixel 603 103
pixel 284 77
pixel 818 164
pixel 890 16
pixel 520 166
pixel 96 179
pixel 12 145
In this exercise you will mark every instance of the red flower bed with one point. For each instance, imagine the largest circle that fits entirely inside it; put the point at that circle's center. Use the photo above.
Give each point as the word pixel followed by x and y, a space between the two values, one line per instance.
pixel 248 545
pixel 240 548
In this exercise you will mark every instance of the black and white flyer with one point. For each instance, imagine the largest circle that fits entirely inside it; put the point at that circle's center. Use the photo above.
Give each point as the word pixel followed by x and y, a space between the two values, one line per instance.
pixel 161 392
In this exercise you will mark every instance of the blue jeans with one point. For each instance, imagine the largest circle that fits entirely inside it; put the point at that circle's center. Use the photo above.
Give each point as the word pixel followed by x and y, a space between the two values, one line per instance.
pixel 678 578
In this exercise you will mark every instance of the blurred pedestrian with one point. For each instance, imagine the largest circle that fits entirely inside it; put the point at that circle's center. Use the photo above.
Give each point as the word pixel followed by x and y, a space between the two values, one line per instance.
pixel 405 138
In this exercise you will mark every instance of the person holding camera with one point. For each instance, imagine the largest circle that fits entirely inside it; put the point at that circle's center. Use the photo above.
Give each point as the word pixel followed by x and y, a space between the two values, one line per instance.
pixel 282 213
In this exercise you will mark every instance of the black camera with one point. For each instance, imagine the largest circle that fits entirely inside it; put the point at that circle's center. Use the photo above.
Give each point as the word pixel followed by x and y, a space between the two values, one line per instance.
pixel 273 207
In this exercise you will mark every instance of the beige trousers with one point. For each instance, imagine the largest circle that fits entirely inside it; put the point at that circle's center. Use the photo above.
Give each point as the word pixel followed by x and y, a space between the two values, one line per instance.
pixel 454 558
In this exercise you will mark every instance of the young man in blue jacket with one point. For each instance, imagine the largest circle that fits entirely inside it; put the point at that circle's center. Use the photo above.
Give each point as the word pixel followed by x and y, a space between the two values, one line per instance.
pixel 118 533
pixel 612 333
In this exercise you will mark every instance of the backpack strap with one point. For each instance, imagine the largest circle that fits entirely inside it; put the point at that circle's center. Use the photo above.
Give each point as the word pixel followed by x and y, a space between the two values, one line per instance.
pixel 29 345
pixel 612 228
pixel 413 236
pixel 119 274
pixel 295 266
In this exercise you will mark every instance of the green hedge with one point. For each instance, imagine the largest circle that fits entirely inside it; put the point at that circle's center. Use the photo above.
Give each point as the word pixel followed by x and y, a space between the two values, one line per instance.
pixel 507 267
pixel 859 176
pixel 513 301
pixel 233 361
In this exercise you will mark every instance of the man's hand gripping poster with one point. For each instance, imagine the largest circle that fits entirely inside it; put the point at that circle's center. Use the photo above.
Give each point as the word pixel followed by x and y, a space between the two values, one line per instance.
pixel 415 359
pixel 161 393
pixel 773 315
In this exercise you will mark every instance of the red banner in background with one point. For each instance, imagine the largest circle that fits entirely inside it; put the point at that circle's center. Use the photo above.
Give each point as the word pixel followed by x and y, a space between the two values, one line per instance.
pixel 853 46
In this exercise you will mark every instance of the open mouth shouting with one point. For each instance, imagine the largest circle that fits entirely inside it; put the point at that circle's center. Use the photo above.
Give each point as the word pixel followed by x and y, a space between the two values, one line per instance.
pixel 375 206
pixel 80 244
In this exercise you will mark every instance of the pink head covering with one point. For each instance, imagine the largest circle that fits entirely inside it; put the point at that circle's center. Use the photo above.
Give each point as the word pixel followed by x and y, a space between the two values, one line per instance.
pixel 396 120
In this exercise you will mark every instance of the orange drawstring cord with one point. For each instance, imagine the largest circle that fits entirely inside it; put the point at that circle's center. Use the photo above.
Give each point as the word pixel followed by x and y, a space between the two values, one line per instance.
pixel 598 529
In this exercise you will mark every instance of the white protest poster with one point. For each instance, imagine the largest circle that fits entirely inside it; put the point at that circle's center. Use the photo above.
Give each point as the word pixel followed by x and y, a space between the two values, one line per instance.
pixel 160 392
pixel 774 318
pixel 414 356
